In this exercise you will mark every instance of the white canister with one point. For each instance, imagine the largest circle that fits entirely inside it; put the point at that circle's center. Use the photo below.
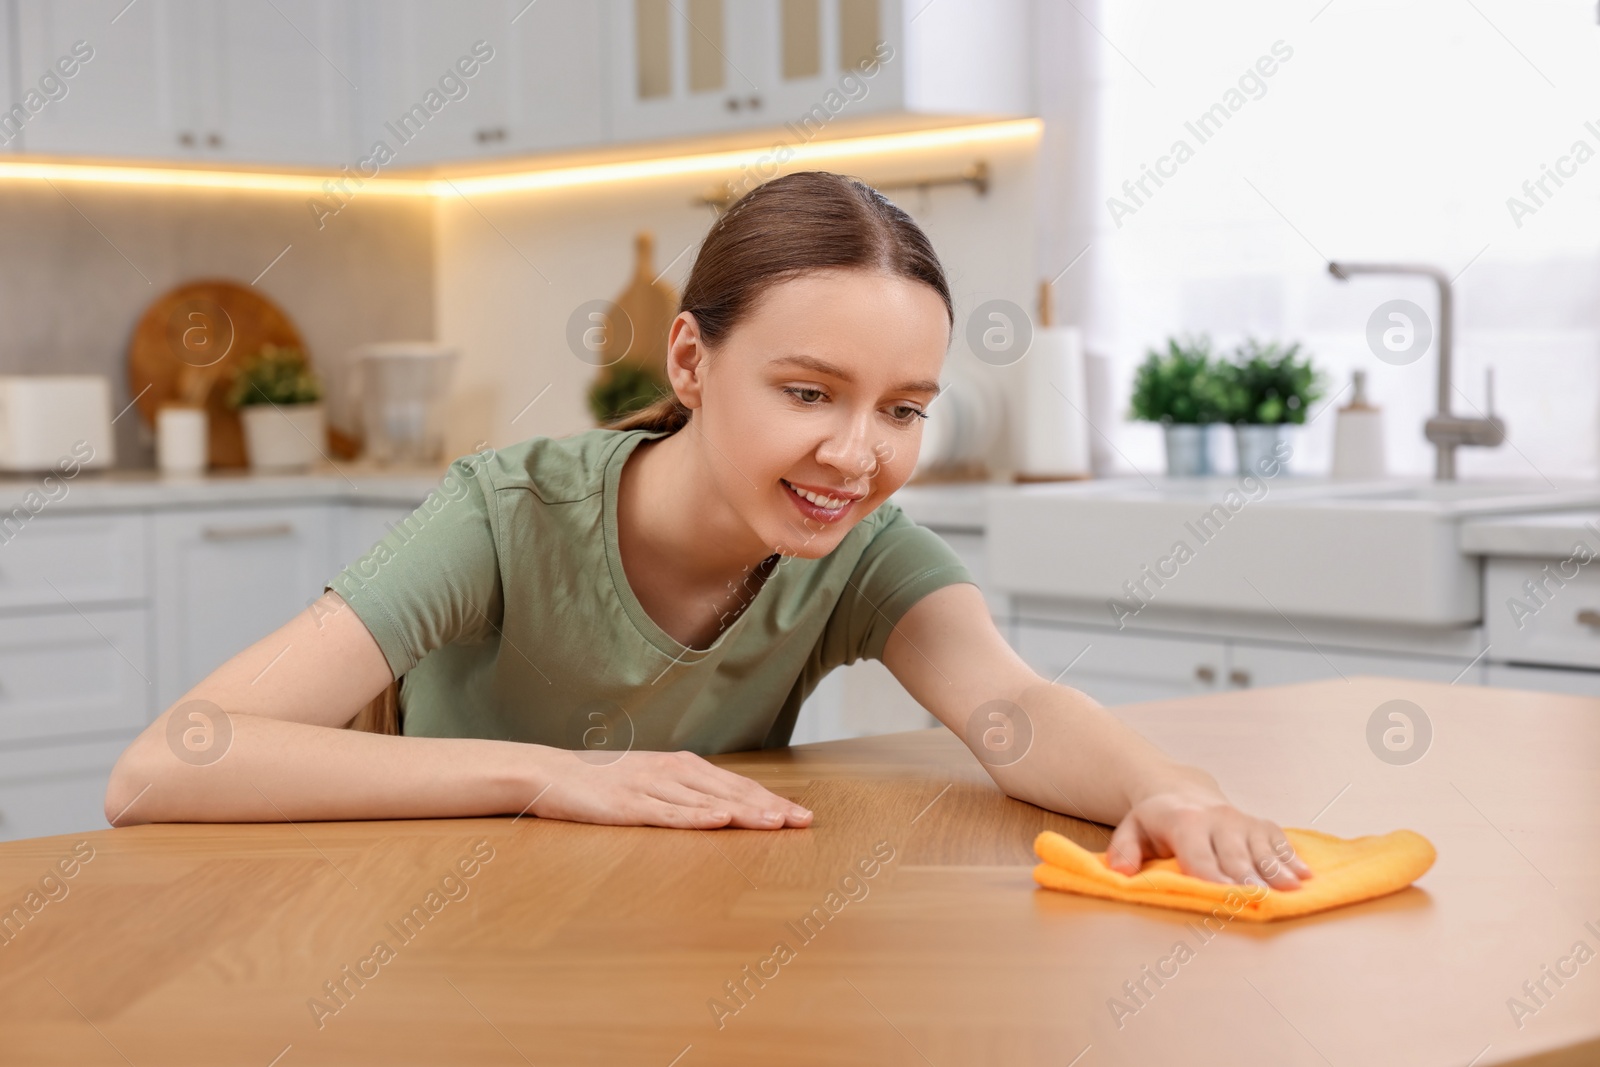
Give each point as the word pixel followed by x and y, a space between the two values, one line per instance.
pixel 181 444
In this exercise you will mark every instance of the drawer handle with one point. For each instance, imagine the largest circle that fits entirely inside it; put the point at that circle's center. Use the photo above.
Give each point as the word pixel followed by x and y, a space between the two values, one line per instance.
pixel 248 533
pixel 1589 617
pixel 1205 674
pixel 1239 677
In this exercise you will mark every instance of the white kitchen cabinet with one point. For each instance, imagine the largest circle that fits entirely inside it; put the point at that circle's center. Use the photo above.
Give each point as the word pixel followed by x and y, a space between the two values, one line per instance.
pixel 73 672
pixel 226 578
pixel 703 66
pixel 55 563
pixel 56 789
pixel 1583 683
pixel 194 80
pixel 1122 668
pixel 270 81
pixel 10 128
pixel 537 81
pixel 124 100
pixel 1261 665
pixel 1542 611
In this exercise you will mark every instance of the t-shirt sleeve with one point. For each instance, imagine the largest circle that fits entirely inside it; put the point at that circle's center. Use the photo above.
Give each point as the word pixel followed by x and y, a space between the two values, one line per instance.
pixel 434 578
pixel 902 564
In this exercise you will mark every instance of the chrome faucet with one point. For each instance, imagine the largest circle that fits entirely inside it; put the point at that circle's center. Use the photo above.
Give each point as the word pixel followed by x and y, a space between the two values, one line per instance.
pixel 1445 430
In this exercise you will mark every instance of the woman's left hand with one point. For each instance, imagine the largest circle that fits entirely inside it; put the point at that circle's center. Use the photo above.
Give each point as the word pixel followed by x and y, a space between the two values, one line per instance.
pixel 1210 837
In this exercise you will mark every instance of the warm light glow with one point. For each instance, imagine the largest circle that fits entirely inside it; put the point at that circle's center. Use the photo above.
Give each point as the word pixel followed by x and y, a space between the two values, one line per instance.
pixel 739 159
pixel 524 180
pixel 179 177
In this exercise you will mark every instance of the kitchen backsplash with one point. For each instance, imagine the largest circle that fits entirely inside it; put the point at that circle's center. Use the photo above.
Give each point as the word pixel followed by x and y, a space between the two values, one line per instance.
pixel 80 262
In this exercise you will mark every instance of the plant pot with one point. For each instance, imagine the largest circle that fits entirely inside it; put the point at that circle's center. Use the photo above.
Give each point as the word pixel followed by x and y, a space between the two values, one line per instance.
pixel 1188 449
pixel 1257 446
pixel 283 437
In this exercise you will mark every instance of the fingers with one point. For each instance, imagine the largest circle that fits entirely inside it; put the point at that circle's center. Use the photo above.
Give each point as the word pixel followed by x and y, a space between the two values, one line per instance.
pixel 1274 857
pixel 753 805
pixel 1122 851
pixel 1196 853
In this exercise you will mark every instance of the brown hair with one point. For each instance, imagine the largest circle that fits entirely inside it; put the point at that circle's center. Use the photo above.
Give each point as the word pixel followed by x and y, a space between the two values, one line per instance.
pixel 808 221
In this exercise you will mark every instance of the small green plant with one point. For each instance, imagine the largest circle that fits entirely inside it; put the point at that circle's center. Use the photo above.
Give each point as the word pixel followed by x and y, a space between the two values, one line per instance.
pixel 1268 384
pixel 277 375
pixel 1180 385
pixel 622 388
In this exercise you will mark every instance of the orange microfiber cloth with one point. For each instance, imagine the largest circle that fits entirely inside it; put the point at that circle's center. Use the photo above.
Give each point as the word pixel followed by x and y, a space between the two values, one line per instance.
pixel 1344 872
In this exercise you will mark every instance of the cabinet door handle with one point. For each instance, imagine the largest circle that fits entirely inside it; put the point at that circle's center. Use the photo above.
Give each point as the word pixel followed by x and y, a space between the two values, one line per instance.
pixel 214 140
pixel 186 139
pixel 1239 677
pixel 1205 674
pixel 753 103
pixel 248 533
pixel 1589 617
pixel 733 103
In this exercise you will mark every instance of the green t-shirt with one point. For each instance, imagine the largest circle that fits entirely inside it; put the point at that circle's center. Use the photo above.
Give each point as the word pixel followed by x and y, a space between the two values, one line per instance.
pixel 503 603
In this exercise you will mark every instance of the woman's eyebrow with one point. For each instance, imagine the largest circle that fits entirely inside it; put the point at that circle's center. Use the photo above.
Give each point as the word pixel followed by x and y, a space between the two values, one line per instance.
pixel 822 366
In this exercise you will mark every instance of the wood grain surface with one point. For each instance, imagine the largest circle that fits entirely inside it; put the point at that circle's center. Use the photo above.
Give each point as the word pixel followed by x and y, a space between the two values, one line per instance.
pixel 577 944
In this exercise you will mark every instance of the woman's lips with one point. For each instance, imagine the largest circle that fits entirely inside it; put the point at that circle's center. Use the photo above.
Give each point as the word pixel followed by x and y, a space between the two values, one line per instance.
pixel 812 511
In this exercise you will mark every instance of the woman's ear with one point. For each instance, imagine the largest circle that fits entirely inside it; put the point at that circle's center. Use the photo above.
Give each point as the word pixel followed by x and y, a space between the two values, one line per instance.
pixel 686 359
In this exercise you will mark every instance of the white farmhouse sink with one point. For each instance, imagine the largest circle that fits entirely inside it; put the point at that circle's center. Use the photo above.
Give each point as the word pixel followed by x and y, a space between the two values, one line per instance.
pixel 1361 551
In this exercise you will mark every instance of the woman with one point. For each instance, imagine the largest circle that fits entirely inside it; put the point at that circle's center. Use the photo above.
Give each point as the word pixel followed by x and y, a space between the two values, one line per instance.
pixel 576 619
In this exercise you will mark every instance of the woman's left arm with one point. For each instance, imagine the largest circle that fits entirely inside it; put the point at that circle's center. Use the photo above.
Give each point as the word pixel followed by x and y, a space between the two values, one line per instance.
pixel 1081 760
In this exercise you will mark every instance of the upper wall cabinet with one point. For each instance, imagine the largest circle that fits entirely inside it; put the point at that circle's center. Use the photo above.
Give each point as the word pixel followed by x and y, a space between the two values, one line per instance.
pixel 10 126
pixel 479 78
pixel 192 80
pixel 704 66
pixel 269 81
pixel 94 83
pixel 322 82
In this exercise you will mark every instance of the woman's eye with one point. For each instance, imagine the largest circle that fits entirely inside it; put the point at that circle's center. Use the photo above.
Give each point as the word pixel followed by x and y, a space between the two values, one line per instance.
pixel 803 394
pixel 905 413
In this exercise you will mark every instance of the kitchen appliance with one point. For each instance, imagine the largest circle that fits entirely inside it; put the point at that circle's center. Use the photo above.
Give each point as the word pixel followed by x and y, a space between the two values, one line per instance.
pixel 46 420
pixel 401 385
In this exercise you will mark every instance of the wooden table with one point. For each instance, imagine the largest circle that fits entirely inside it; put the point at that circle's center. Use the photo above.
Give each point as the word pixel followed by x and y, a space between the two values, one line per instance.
pixel 609 945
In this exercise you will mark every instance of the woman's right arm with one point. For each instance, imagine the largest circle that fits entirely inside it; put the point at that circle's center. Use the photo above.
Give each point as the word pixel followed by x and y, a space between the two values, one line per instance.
pixel 262 739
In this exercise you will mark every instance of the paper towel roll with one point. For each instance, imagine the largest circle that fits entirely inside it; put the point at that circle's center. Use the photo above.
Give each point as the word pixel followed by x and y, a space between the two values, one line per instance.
pixel 1055 428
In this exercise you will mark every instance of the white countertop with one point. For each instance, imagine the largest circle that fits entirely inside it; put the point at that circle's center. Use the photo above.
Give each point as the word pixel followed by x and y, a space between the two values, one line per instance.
pixel 1548 536
pixel 136 489
pixel 956 506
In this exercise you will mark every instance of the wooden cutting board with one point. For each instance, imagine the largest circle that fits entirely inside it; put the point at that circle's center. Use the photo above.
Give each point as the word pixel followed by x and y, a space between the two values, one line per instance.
pixel 642 314
pixel 188 347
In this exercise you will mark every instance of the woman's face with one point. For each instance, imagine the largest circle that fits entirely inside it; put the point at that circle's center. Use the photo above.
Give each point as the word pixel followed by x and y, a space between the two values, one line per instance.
pixel 821 390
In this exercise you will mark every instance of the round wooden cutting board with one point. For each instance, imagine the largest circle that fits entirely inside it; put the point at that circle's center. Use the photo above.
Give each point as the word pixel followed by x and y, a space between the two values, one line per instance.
pixel 188 347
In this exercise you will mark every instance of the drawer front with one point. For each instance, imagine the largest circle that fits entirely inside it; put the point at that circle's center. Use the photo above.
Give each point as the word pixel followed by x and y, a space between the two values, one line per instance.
pixel 1544 679
pixel 59 789
pixel 55 562
pixel 74 672
pixel 1264 665
pixel 1557 621
pixel 1119 668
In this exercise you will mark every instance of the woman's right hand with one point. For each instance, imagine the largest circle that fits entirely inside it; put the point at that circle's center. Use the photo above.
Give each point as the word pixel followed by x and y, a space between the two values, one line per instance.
pixel 676 789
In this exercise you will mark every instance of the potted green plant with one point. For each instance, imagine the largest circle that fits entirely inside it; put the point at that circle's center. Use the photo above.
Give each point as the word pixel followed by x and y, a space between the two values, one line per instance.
pixel 1268 388
pixel 623 388
pixel 1179 388
pixel 279 403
